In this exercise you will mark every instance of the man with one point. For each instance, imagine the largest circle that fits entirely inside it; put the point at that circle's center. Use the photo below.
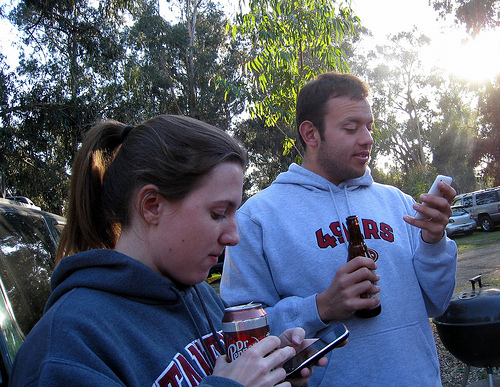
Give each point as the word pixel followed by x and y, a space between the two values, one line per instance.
pixel 292 254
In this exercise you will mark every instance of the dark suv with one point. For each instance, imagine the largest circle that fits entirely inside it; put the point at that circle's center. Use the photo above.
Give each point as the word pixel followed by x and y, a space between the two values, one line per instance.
pixel 483 205
pixel 28 244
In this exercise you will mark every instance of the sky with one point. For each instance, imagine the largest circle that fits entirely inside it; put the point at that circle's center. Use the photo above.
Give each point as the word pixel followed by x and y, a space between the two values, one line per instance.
pixel 451 48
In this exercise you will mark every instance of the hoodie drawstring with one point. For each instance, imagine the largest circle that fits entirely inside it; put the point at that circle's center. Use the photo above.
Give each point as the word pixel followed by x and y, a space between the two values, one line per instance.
pixel 212 328
pixel 221 347
pixel 342 228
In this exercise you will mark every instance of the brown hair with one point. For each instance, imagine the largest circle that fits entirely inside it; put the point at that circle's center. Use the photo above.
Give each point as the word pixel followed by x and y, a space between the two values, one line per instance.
pixel 313 97
pixel 172 152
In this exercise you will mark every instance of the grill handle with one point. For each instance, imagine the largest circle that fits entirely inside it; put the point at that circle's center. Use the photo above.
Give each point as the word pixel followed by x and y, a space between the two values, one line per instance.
pixel 474 280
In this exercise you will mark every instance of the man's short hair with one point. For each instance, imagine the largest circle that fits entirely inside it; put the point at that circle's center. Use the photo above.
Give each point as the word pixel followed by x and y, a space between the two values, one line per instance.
pixel 313 97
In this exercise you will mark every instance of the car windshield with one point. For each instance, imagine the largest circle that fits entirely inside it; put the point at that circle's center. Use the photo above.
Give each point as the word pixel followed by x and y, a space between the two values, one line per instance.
pixel 458 212
pixel 26 264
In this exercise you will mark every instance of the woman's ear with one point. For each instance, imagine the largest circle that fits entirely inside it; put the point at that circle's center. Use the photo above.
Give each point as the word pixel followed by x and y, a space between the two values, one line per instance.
pixel 309 134
pixel 148 202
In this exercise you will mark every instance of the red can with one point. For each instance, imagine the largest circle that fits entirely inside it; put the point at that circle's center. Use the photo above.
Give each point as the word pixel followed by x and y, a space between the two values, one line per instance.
pixel 243 326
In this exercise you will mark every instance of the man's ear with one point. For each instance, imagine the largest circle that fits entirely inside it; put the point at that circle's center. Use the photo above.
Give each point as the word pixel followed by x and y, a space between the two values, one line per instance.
pixel 309 134
pixel 148 202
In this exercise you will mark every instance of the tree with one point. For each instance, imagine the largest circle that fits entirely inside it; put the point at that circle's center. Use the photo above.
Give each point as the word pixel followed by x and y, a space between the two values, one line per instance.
pixel 289 43
pixel 475 14
pixel 84 61
pixel 401 90
pixel 487 149
pixel 452 134
pixel 424 121
pixel 478 15
pixel 170 69
pixel 71 49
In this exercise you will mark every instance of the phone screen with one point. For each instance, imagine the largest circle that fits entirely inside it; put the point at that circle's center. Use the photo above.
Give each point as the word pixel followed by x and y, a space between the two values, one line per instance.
pixel 315 351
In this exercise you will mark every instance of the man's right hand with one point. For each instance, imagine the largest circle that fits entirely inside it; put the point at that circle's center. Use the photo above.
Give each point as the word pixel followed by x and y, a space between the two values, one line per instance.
pixel 343 296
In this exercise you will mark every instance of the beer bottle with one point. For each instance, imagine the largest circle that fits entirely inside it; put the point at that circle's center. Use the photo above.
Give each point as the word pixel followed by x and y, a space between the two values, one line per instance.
pixel 357 247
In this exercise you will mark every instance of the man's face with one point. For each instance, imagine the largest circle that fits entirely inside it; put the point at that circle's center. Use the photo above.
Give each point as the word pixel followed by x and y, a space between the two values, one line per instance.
pixel 344 150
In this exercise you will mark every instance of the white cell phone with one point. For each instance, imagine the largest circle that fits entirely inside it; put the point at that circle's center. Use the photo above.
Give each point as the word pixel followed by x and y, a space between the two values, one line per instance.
pixel 315 351
pixel 435 191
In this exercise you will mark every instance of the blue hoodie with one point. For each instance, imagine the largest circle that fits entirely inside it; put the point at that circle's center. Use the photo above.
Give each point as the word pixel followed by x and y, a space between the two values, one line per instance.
pixel 293 240
pixel 112 321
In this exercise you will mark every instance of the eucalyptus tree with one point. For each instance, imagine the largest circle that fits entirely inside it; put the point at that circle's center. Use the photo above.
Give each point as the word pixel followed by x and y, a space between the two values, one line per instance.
pixel 289 42
pixel 479 15
pixel 172 65
pixel 453 131
pixel 487 148
pixel 70 50
pixel 424 121
pixel 83 61
pixel 401 97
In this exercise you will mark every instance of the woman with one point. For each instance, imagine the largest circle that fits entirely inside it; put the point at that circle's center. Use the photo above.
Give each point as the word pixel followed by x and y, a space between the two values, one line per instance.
pixel 151 208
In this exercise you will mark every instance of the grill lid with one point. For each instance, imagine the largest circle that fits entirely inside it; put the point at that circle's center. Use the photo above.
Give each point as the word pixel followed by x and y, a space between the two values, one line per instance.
pixel 480 305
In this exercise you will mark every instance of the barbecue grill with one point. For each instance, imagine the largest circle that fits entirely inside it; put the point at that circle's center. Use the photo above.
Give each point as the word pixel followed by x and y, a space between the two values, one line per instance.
pixel 470 328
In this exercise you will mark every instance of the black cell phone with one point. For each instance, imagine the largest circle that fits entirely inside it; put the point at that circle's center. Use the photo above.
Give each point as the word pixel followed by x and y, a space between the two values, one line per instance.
pixel 315 351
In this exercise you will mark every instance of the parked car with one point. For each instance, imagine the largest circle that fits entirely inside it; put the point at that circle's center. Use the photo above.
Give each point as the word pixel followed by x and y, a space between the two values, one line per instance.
pixel 483 205
pixel 461 221
pixel 28 244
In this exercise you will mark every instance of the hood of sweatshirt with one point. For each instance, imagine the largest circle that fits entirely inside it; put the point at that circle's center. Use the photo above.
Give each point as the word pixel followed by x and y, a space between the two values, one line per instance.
pixel 297 175
pixel 305 178
pixel 112 272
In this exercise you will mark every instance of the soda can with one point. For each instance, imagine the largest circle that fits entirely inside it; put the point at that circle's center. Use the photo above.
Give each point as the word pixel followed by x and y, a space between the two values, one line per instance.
pixel 243 326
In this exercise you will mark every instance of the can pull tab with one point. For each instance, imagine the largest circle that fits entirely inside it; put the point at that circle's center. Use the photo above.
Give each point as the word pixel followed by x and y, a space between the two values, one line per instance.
pixel 474 280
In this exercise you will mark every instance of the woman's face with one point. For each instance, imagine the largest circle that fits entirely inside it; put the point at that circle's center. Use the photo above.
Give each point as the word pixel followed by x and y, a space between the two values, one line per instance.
pixel 193 232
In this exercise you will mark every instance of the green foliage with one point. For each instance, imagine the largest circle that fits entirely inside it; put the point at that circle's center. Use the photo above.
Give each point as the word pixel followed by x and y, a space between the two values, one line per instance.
pixel 292 42
pixel 71 51
pixel 82 61
pixel 86 61
pixel 266 161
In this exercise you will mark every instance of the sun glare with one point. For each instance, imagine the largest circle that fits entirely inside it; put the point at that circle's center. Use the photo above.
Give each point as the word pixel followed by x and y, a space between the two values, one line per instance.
pixel 476 59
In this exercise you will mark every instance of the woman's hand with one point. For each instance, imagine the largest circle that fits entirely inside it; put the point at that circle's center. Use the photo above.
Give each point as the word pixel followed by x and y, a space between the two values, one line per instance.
pixel 295 337
pixel 259 365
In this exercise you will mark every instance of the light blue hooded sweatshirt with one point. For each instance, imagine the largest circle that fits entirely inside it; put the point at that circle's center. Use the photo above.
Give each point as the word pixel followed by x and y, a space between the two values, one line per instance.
pixel 293 240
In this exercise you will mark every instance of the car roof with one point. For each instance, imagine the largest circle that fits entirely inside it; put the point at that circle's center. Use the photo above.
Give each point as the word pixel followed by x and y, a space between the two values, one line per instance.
pixel 9 205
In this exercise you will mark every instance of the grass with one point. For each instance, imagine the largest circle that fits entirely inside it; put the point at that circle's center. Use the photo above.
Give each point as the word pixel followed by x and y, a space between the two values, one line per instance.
pixel 478 239
pixel 213 278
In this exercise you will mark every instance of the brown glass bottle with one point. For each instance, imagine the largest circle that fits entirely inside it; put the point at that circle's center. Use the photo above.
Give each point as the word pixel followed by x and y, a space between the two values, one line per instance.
pixel 357 247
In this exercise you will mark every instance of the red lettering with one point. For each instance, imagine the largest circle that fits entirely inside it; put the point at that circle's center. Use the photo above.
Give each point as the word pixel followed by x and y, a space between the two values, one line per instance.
pixel 192 377
pixel 370 229
pixel 325 240
pixel 386 232
pixel 197 355
pixel 335 227
pixel 171 377
pixel 210 341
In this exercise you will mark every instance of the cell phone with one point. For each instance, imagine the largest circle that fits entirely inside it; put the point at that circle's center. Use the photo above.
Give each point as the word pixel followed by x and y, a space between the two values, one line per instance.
pixel 434 191
pixel 315 351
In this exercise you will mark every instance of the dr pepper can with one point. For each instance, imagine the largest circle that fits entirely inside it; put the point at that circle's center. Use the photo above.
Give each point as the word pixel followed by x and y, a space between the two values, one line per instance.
pixel 243 326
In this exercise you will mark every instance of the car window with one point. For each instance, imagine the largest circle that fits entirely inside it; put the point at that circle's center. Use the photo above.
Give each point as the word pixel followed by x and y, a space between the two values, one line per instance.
pixel 26 264
pixel 486 197
pixel 467 201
